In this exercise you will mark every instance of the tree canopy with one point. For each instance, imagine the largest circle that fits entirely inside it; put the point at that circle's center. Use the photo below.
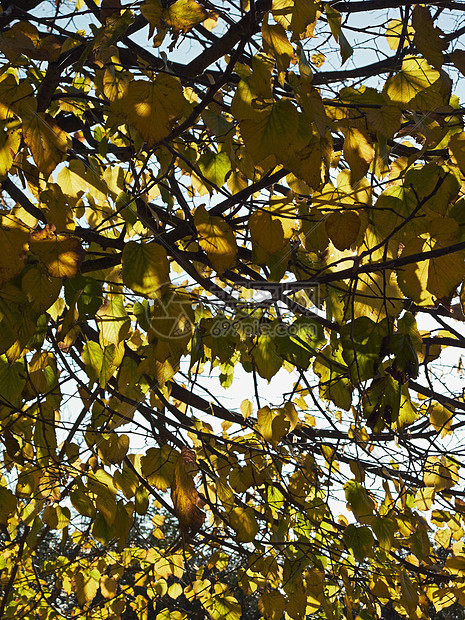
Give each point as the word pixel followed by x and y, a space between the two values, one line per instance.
pixel 272 189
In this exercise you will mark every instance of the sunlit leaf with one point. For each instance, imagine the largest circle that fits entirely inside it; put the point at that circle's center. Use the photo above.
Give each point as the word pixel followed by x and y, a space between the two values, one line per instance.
pixel 146 268
pixel 61 255
pixel 46 141
pixel 217 238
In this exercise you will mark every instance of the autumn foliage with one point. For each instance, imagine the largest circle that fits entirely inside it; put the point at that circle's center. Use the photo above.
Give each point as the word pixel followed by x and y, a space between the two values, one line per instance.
pixel 232 263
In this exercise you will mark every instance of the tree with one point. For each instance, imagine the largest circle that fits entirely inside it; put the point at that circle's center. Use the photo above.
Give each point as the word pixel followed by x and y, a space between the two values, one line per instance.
pixel 191 190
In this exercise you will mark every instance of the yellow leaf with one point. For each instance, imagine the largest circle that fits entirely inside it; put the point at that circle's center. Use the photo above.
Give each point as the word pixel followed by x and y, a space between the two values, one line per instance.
pixel 157 466
pixel 115 83
pixel 61 255
pixel 71 179
pixel 377 294
pixel 442 538
pixel 298 16
pixel 114 449
pixel 441 419
pixel 265 356
pixel 424 498
pixel 113 321
pixel 13 242
pixel 458 58
pixel 272 424
pixel 394 33
pixel 146 268
pixel 172 319
pixel 457 148
pixel 16 98
pixel 440 473
pixel 430 279
pixel 151 107
pixel 276 43
pixel 46 141
pixel 217 238
pixel 85 587
pixel 409 592
pixel 108 586
pixel 417 85
pixel 56 517
pixel 246 408
pixel 272 131
pixel 358 152
pixel 181 16
pixel 244 523
pixel 342 228
pixel 9 145
pixel 40 289
pixel 8 504
pixel 360 502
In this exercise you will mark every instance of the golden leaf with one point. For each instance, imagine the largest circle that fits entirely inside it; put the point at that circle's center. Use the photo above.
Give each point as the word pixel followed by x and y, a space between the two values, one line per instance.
pixel 151 107
pixel 358 152
pixel 46 141
pixel 61 255
pixel 217 238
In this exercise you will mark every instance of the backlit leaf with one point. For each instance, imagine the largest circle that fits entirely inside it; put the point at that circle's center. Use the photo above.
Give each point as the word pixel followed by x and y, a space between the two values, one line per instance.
pixel 146 268
pixel 217 238
pixel 61 255
pixel 342 228
pixel 158 467
pixel 417 85
pixel 272 132
pixel 245 524
pixel 359 153
pixel 359 540
pixel 46 141
pixel 152 107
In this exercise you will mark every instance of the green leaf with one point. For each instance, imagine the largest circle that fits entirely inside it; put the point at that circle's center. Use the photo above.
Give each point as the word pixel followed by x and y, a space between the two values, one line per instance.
pixel 272 132
pixel 360 541
pixel 12 382
pixel 157 467
pixel 330 366
pixel 300 341
pixel 146 268
pixel 82 502
pixel 360 502
pixel 266 359
pixel 384 528
pixel 214 167
pixel 362 340
pixel 92 356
